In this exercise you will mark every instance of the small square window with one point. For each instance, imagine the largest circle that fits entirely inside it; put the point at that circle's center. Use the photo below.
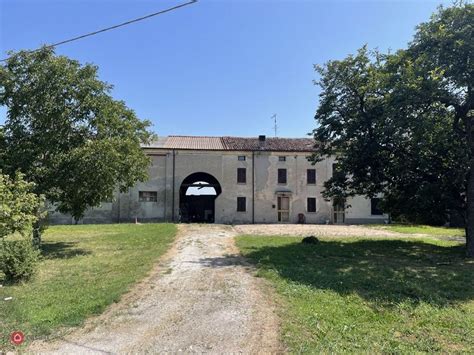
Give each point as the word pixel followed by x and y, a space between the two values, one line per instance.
pixel 311 176
pixel 281 158
pixel 375 209
pixel 311 204
pixel 147 196
pixel 282 176
pixel 241 204
pixel 242 157
pixel 241 175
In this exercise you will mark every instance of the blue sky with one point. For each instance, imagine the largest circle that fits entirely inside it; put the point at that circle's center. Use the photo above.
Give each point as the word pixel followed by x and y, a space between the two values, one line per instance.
pixel 215 67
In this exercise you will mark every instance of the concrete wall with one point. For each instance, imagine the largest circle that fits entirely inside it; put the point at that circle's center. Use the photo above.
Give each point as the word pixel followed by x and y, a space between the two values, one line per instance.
pixel 223 166
pixel 359 212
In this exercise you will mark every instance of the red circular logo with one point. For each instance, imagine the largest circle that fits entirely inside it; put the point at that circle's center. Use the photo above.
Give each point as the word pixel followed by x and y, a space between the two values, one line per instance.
pixel 17 338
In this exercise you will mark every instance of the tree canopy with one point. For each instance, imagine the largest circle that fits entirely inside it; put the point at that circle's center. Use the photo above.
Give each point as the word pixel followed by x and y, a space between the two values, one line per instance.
pixel 401 123
pixel 66 133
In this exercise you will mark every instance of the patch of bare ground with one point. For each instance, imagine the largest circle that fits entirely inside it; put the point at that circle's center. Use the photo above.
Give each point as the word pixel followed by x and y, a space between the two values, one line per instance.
pixel 201 298
pixel 322 230
pixel 330 230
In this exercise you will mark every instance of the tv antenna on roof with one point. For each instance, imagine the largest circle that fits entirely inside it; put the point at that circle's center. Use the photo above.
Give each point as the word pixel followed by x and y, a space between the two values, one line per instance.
pixel 275 126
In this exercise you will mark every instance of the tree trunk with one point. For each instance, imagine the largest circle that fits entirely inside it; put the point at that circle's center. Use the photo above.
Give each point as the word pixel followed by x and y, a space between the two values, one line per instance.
pixel 470 212
pixel 37 234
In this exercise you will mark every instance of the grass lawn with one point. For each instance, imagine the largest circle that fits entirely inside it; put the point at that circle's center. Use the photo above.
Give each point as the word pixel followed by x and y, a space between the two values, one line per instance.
pixel 377 295
pixel 84 269
pixel 422 229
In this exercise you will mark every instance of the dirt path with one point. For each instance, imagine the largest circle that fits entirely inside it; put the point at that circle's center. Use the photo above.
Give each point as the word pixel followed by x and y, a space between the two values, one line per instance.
pixel 201 299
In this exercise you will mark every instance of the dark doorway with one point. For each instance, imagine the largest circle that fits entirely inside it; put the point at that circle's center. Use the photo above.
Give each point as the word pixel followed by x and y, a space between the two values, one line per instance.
pixel 197 196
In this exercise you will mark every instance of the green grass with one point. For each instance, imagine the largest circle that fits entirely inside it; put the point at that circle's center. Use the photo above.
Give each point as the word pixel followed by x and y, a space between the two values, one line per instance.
pixel 360 295
pixel 422 229
pixel 84 269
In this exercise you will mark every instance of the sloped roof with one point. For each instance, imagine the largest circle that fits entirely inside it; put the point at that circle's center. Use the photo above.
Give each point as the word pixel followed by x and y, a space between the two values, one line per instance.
pixel 194 143
pixel 234 143
pixel 271 144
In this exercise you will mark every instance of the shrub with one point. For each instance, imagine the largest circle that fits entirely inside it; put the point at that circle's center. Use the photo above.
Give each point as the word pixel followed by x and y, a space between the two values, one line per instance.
pixel 20 213
pixel 18 259
pixel 19 206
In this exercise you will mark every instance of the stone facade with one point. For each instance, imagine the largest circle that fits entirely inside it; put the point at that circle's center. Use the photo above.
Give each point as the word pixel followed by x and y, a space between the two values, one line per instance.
pixel 171 165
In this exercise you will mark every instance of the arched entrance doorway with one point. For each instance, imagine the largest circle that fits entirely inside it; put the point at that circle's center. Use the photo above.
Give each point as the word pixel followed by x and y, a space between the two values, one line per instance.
pixel 197 196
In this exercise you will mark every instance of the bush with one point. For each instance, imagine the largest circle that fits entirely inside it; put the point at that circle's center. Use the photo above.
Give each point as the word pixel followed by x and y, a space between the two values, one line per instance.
pixel 18 259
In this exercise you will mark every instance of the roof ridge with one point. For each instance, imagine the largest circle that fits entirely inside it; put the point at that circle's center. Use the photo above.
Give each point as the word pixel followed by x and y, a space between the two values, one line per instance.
pixel 239 137
pixel 188 136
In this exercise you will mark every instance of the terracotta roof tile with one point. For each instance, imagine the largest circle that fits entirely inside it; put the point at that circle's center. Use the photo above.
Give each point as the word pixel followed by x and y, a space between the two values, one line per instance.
pixel 270 144
pixel 234 143
pixel 194 142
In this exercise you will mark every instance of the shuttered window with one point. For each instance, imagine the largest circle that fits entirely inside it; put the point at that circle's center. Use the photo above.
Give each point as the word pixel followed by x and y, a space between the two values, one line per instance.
pixel 311 176
pixel 282 176
pixel 241 204
pixel 311 204
pixel 241 175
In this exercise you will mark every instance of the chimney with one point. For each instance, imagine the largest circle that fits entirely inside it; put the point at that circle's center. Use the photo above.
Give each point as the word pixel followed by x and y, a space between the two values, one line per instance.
pixel 261 142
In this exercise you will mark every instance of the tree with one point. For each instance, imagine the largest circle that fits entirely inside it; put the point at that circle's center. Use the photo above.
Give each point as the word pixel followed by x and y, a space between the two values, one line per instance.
pixel 66 133
pixel 398 122
pixel 443 55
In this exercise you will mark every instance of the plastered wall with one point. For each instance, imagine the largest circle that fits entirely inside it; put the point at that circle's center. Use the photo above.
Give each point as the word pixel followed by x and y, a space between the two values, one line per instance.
pixel 261 207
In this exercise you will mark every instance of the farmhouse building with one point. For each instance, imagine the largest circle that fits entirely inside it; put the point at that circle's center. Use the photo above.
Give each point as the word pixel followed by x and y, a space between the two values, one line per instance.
pixel 232 180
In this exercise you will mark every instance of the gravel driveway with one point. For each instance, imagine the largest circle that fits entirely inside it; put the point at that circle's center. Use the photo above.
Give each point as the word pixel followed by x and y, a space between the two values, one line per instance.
pixel 202 298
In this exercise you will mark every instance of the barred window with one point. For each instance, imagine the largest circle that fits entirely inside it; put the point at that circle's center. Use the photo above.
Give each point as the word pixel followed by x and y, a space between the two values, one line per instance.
pixel 241 204
pixel 241 175
pixel 147 196
pixel 282 176
pixel 311 204
pixel 311 176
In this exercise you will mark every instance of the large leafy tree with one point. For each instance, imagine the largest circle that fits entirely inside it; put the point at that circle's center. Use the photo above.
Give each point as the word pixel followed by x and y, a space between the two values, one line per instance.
pixel 65 132
pixel 401 123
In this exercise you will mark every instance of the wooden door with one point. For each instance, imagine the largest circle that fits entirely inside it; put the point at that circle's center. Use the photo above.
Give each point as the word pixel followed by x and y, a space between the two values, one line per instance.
pixel 283 209
pixel 339 213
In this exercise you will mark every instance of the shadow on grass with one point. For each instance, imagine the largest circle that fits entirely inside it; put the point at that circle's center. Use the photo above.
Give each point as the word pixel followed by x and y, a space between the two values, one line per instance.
pixel 61 250
pixel 382 271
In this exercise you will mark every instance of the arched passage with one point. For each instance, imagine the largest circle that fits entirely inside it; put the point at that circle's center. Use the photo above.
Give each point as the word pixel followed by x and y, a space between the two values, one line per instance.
pixel 197 196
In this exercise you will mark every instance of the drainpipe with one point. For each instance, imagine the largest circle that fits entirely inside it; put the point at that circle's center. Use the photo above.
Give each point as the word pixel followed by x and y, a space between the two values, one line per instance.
pixel 165 215
pixel 172 198
pixel 253 187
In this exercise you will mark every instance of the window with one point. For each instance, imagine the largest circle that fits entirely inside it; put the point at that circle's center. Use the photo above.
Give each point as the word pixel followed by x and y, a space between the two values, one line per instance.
pixel 281 158
pixel 147 196
pixel 241 175
pixel 311 204
pixel 311 176
pixel 241 204
pixel 375 207
pixel 282 176
pixel 242 157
